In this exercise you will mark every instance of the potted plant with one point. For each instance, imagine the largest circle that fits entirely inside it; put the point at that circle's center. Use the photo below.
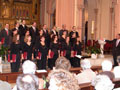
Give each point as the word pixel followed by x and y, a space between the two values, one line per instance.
pixel 93 50
pixel 3 52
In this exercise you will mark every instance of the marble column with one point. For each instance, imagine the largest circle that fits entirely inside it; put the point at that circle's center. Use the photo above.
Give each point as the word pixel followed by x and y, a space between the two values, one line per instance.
pixel 117 17
pixel 96 16
pixel 80 20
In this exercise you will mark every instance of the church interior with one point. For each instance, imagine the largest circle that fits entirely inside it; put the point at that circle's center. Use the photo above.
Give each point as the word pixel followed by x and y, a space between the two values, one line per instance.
pixel 83 32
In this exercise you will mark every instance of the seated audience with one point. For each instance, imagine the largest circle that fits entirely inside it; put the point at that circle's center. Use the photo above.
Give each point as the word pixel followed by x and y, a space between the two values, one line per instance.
pixel 116 71
pixel 60 79
pixel 87 74
pixel 62 63
pixel 5 85
pixel 106 68
pixel 29 67
pixel 27 82
pixel 102 82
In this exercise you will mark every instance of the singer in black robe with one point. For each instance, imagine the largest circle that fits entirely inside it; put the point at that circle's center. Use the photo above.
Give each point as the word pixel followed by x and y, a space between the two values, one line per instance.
pixel 15 56
pixel 54 47
pixel 41 55
pixel 78 48
pixel 27 51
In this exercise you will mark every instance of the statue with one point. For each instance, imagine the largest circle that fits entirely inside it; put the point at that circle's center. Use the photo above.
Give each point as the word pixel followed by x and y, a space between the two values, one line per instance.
pixel 102 43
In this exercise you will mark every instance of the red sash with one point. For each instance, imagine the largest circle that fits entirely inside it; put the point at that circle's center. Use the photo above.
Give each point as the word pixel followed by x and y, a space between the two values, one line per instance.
pixel 39 55
pixel 51 54
pixel 8 57
pixel 25 55
pixel 14 57
pixel 2 40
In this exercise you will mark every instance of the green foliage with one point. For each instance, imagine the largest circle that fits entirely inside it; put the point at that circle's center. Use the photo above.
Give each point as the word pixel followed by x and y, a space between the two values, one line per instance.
pixel 93 50
pixel 3 51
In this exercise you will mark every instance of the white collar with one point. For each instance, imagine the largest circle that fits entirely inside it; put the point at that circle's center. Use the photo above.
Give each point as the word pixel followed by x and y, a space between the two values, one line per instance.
pixel 6 29
pixel 33 27
pixel 23 25
pixel 16 28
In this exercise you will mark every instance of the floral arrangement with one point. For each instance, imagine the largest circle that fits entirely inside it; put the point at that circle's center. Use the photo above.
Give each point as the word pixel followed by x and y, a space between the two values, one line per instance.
pixel 93 47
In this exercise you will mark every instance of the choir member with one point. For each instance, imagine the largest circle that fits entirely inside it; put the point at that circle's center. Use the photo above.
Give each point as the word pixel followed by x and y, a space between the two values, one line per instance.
pixel 73 31
pixel 62 30
pixel 53 31
pixel 34 32
pixel 40 35
pixel 22 28
pixel 14 56
pixel 53 53
pixel 77 48
pixel 46 34
pixel 27 33
pixel 5 36
pixel 73 39
pixel 15 30
pixel 63 37
pixel 41 53
pixel 27 49
pixel 66 48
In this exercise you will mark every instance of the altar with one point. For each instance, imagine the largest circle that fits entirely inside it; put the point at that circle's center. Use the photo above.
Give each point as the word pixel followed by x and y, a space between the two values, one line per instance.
pixel 98 61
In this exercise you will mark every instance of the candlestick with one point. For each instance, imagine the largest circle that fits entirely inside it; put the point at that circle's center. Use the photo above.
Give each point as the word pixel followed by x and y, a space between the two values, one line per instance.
pixel 92 31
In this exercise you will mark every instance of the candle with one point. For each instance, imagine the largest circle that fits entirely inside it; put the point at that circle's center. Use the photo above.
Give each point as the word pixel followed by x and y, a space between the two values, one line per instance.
pixel 92 31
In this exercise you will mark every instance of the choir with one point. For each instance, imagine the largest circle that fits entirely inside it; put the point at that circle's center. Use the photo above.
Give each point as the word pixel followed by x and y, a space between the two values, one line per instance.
pixel 33 44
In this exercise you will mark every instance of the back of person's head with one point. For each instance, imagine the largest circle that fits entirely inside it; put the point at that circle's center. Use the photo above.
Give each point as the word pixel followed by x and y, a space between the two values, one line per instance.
pixel 106 65
pixel 27 82
pixel 29 67
pixel 102 82
pixel 116 71
pixel 60 79
pixel 62 63
pixel 85 64
pixel 5 85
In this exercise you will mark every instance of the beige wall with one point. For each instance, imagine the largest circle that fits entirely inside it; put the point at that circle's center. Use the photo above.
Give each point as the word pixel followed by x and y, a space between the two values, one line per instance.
pixel 117 17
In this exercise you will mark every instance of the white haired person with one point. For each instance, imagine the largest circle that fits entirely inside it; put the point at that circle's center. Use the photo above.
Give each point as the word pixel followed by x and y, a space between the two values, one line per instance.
pixel 27 82
pixel 5 85
pixel 116 71
pixel 106 69
pixel 29 67
pixel 60 79
pixel 87 74
pixel 102 82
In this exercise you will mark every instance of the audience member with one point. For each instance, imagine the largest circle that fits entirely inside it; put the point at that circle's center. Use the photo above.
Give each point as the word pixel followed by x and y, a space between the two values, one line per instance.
pixel 60 79
pixel 62 63
pixel 87 74
pixel 116 71
pixel 5 85
pixel 106 68
pixel 27 82
pixel 102 82
pixel 29 67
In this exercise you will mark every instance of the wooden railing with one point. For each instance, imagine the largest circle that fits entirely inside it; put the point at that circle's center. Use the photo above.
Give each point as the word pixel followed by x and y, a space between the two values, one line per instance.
pixel 11 77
